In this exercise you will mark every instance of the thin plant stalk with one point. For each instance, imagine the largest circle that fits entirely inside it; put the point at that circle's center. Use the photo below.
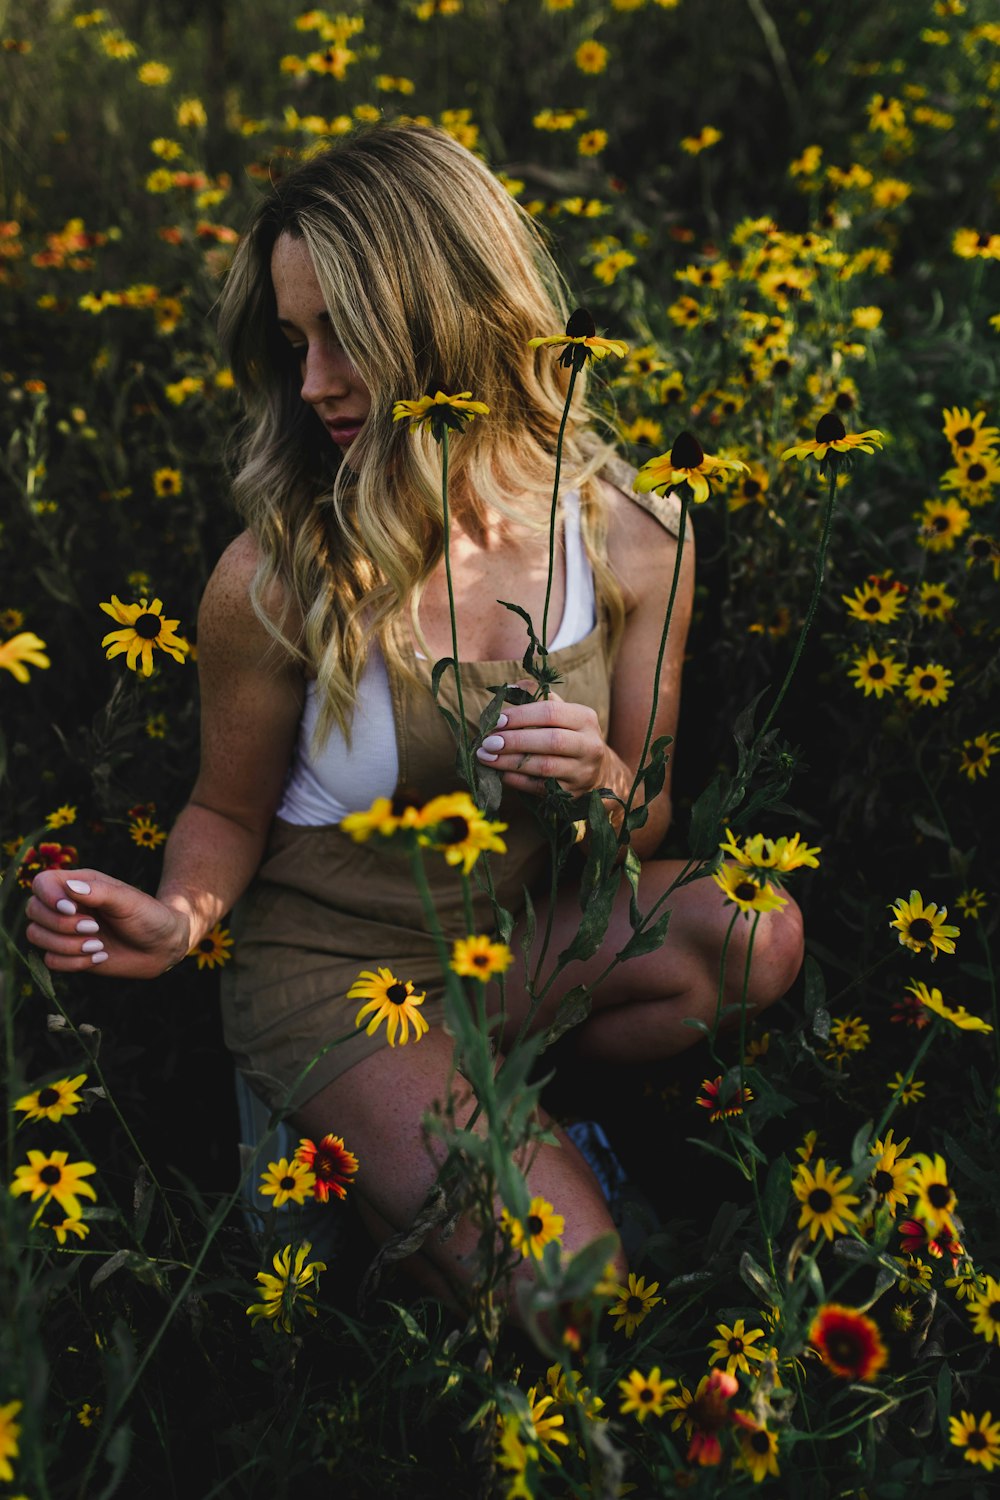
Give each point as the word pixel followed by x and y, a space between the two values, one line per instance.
pixel 463 726
pixel 553 510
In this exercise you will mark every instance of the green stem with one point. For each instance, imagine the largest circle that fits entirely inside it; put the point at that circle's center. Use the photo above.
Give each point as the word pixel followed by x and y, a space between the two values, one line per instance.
pixel 994 1006
pixel 463 726
pixel 813 602
pixel 553 511
pixel 922 1051
pixel 623 833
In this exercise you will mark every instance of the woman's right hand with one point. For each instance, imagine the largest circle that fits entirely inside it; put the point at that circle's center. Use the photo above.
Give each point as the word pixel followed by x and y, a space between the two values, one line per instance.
pixel 83 920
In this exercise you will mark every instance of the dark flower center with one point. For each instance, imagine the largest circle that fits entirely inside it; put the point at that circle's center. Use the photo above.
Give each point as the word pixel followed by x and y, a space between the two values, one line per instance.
pixel 882 1181
pixel 830 429
pixel 47 1097
pixel 976 472
pixel 993 1312
pixel 452 830
pixel 482 959
pixel 634 1305
pixel 976 1439
pixel 148 626
pixel 933 601
pixel 844 401
pixel 687 452
pixel 819 1201
pixel 286 1184
pixel 781 367
pixel 980 547
pixel 534 1224
pixel 940 523
pixel 745 891
pixel 751 488
pixel 396 993
pixel 974 753
pixel 50 1175
pixel 647 1393
pixel 760 1442
pixel 207 945
pixel 939 1195
pixel 921 930
pixel 927 682
pixel 735 1346
pixel 876 671
pixel 581 324
pixel 964 436
pixel 872 606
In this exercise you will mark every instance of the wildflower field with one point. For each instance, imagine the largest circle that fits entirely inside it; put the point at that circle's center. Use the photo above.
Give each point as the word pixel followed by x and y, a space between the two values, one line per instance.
pixel 789 215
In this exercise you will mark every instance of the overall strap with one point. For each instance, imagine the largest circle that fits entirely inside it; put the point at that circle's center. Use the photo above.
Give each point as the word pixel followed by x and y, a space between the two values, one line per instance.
pixel 666 508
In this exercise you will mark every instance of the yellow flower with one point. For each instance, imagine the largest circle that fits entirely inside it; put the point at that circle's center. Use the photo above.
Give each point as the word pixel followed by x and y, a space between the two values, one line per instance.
pixel 284 1293
pixel 580 341
pixel 22 651
pixel 154 74
pixel 942 522
pixel 746 892
pixel 758 1449
pixel 635 1301
pixel 907 1090
pixel 735 1347
pixel 213 948
pixel 977 753
pixel 479 957
pixel 935 602
pixel 935 1198
pixel 53 1100
pixel 61 816
pixel 921 926
pixel 145 628
pixel 833 437
pixel 536 1230
pixel 454 826
pixel 866 317
pixel 287 1182
pixel 979 1436
pixel 592 142
pixel 706 137
pixel 439 412
pixel 390 1000
pixel 873 605
pixel 55 1176
pixel 591 57
pixel 644 1394
pixel 876 674
pixel 686 463
pixel 191 112
pixel 984 1310
pixel 824 1198
pixel 932 999
pixel 929 684
pixel 10 1432
pixel 167 482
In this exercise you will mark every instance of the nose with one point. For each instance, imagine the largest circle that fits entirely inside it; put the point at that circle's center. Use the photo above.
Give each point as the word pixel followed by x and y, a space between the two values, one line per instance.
pixel 325 374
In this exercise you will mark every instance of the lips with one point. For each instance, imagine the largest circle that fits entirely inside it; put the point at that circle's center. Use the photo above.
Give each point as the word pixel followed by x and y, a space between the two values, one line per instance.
pixel 344 430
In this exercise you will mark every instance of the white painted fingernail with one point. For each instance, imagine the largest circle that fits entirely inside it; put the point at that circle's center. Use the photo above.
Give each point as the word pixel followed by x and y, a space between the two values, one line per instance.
pixel 80 886
pixel 484 755
pixel 501 724
pixel 98 958
pixel 93 945
pixel 493 742
pixel 87 925
pixel 66 907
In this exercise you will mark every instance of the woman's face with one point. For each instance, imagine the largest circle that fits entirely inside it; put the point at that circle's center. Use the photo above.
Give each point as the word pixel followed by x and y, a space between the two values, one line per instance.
pixel 330 383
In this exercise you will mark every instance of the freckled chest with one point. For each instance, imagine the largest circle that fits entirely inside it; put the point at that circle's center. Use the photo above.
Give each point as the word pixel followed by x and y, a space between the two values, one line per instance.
pixel 511 570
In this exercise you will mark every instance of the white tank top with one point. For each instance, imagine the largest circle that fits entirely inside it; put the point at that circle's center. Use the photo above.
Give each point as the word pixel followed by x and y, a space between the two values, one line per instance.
pixel 322 789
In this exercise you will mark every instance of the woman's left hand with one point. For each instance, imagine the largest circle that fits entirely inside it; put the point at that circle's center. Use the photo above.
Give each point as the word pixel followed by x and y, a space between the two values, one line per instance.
pixel 548 738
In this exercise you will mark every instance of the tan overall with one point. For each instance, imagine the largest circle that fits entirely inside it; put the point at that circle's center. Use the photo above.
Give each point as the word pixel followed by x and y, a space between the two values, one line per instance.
pixel 322 907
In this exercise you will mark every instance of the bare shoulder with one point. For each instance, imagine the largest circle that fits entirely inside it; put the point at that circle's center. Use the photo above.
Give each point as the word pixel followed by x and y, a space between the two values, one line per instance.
pixel 228 624
pixel 641 549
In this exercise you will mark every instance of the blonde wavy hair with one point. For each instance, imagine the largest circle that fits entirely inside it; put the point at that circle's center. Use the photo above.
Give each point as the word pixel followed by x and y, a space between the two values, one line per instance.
pixel 434 279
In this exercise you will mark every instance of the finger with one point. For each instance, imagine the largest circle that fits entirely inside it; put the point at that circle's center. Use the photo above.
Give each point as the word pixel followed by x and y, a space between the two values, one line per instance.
pixel 82 891
pixel 44 917
pixel 63 945
pixel 86 964
pixel 519 783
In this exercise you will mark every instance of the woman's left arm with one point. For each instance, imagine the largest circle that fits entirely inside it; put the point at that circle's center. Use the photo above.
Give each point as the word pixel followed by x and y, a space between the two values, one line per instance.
pixel 553 738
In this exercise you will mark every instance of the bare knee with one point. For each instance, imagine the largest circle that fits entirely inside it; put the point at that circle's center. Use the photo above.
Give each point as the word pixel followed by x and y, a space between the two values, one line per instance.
pixel 775 957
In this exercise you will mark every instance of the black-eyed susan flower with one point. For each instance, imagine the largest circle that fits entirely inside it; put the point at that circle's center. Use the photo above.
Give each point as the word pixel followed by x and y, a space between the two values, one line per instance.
pixel 289 1291
pixel 984 1310
pixel 921 926
pixel 849 1343
pixel 935 602
pixel 581 341
pixel 547 1420
pixel 872 605
pixel 966 432
pixel 906 1090
pixel 825 1198
pixel 848 1034
pixel 914 1276
pixel 746 891
pixel 10 1433
pixel 783 854
pixel 965 1283
pixel 592 142
pixel 736 1347
pixel 454 826
pixel 382 818
pixel 390 1000
pixel 876 674
pixel 976 754
pixel 439 412
pixel 62 1231
pixel 53 1100
pixel 287 1182
pixel 644 1395
pixel 934 1198
pixel 540 1225
pixel 332 1165
pixel 686 463
pixel 932 999
pixel 61 817
pixel 942 522
pixel 591 56
pixel 480 957
pixel 891 1171
pixel 145 630
pixel 983 551
pixel 707 137
pixel 929 684
pixel 55 1177
pixel 972 902
pixel 974 478
pixel 515 1455
pixel 167 482
pixel 146 834
pixel 635 1301
pixel 723 1103
pixel 757 1448
pixel 22 651
pixel 978 1436
pixel 213 948
pixel 833 441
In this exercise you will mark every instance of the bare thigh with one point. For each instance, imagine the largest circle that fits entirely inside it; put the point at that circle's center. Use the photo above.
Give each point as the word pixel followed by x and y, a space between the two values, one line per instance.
pixel 639 1009
pixel 378 1107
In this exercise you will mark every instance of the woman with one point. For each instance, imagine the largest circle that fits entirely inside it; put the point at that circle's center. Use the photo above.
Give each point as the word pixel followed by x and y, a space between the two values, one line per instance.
pixel 393 265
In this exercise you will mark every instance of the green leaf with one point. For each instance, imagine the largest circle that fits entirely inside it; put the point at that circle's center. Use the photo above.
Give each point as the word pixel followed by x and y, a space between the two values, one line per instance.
pixel 815 986
pixel 633 869
pixel 757 1279
pixel 965 1164
pixel 776 1196
pixel 944 1383
pixel 437 672
pixel 574 1008
pixel 725 1156
pixel 528 936
pixel 41 976
pixel 647 941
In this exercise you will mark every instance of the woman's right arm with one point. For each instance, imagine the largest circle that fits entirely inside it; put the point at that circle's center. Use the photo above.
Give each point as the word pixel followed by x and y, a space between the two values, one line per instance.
pixel 251 701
